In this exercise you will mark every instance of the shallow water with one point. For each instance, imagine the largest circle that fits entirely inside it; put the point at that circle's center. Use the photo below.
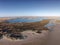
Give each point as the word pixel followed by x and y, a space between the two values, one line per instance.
pixel 51 25
pixel 54 37
pixel 26 20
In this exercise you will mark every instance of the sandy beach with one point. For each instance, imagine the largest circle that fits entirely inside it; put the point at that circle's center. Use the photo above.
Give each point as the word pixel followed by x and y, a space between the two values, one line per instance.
pixel 54 36
pixel 44 38
pixel 33 39
pixel 29 22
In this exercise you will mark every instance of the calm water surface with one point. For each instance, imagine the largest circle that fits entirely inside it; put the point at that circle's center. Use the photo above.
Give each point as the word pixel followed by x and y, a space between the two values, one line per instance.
pixel 26 20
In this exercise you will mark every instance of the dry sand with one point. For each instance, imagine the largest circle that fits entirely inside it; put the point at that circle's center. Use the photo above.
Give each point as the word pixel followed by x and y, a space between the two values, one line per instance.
pixel 32 39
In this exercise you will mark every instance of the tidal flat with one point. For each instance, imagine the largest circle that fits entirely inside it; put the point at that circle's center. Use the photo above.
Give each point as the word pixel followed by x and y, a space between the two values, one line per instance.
pixel 25 33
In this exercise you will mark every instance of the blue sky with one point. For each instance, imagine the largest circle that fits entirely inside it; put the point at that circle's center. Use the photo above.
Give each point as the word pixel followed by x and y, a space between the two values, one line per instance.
pixel 29 8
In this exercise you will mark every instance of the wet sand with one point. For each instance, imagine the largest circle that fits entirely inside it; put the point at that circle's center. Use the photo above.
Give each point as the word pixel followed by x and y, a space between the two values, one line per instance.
pixel 54 36
pixel 38 39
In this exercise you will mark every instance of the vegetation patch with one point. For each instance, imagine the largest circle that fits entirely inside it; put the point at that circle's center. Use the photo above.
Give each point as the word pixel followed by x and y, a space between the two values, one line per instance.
pixel 14 30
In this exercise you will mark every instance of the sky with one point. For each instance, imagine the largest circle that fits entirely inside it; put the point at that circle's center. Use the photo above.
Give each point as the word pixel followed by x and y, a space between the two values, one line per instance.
pixel 29 8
